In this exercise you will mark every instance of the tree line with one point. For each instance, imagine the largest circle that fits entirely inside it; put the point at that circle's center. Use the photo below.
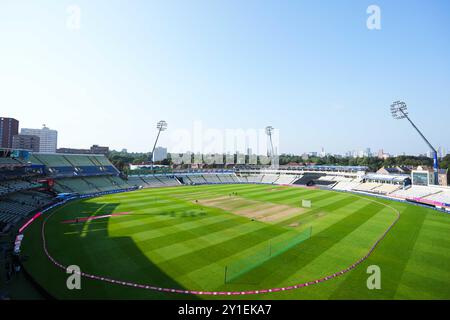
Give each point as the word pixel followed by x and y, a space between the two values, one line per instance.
pixel 121 161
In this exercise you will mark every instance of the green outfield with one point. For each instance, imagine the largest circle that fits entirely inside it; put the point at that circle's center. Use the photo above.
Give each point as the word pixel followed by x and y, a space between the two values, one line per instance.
pixel 186 237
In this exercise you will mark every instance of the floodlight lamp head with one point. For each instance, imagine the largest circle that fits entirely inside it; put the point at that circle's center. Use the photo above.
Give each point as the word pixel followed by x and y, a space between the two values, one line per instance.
pixel 161 125
pixel 269 130
pixel 399 110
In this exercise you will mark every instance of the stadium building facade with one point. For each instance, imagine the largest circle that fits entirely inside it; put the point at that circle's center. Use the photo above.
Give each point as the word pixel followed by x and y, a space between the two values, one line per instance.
pixel 48 138
pixel 9 127
pixel 26 142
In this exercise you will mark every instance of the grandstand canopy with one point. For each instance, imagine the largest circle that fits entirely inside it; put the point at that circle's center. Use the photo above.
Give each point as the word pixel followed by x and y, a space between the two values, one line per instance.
pixel 386 177
pixel 330 168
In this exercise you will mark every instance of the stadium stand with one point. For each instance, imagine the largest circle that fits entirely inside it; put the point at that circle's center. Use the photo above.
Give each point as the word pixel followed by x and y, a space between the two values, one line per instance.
pixel 287 178
pixel 86 185
pixel 211 178
pixel 136 181
pixel 416 192
pixel 17 205
pixel 300 176
pixel 386 188
pixel 350 181
pixel 11 162
pixel 17 200
pixel 50 160
pixel 8 186
pixel 82 174
pixel 270 178
pixel 168 180
pixel 311 179
pixel 243 178
pixel 152 181
pixel 228 178
pixel 190 179
pixel 257 178
pixel 376 183
pixel 58 165
pixel 443 196
pixel 346 185
pixel 86 174
pixel 367 186
pixel 160 180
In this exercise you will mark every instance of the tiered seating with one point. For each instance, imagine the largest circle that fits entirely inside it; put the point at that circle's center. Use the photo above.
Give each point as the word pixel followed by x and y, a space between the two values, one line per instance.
pixel 416 192
pixel 287 179
pixel 50 160
pixel 226 178
pixel 119 182
pixel 18 205
pixel 137 181
pixel 59 165
pixel 442 197
pixel 11 207
pixel 348 179
pixel 9 186
pixel 282 178
pixel 243 178
pixel 346 185
pixel 168 181
pixel 101 183
pixel 257 178
pixel 7 162
pixel 211 178
pixel 7 218
pixel 74 185
pixel 309 178
pixel 61 187
pixel 269 178
pixel 80 161
pixel 367 186
pixel 31 199
pixel 101 160
pixel 196 179
pixel 153 181
pixel 387 188
pixel 235 178
pixel 325 181
pixel 188 180
pixel 87 185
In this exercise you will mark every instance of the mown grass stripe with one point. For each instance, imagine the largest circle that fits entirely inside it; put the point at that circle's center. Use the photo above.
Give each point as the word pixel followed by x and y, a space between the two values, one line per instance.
pixel 220 250
pixel 304 253
pixel 158 243
pixel 205 240
pixel 426 263
pixel 392 257
pixel 329 207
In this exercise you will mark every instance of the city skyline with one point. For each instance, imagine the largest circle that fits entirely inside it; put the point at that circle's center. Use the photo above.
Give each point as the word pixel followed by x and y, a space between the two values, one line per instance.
pixel 355 153
pixel 323 80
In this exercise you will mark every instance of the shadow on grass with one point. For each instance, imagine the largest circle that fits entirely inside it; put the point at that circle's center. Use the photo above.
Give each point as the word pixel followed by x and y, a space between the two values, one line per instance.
pixel 118 258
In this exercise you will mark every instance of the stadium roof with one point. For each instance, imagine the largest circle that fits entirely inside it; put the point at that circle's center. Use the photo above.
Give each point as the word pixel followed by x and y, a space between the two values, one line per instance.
pixel 386 177
pixel 332 168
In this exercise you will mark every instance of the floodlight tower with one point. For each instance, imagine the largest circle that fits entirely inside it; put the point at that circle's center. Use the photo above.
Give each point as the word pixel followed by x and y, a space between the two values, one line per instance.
pixel 161 126
pixel 269 130
pixel 399 110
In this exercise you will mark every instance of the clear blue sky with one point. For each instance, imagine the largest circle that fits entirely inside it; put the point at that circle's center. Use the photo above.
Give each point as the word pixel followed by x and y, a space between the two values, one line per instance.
pixel 312 69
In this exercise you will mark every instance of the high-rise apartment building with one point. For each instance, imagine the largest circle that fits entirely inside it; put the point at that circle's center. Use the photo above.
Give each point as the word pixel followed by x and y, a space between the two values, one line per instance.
pixel 48 138
pixel 26 142
pixel 9 127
